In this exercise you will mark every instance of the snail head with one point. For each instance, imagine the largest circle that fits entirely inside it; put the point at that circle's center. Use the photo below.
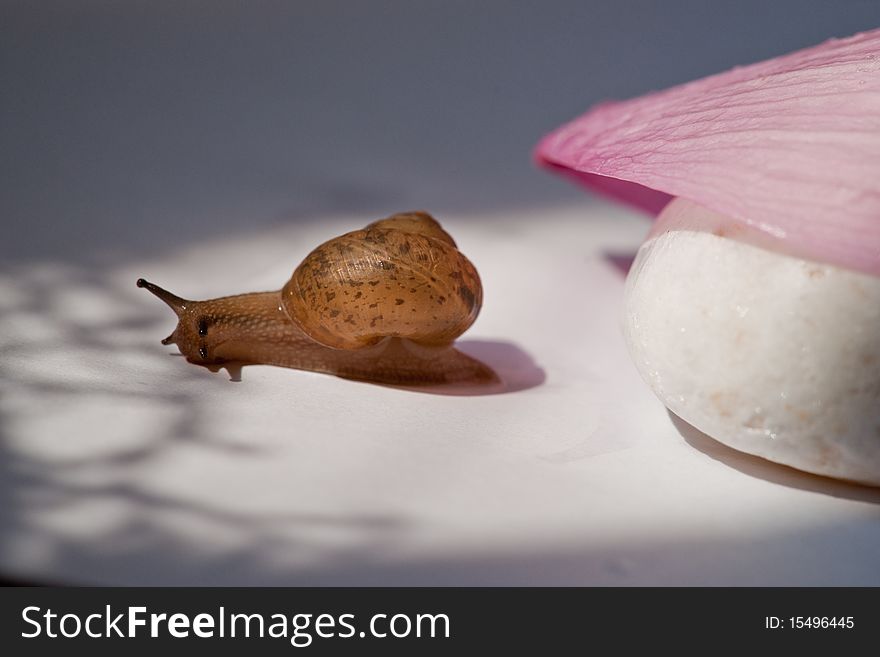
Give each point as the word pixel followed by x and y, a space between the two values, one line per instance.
pixel 191 333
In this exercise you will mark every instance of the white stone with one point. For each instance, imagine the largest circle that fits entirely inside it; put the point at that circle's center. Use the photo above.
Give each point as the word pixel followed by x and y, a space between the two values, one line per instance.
pixel 768 353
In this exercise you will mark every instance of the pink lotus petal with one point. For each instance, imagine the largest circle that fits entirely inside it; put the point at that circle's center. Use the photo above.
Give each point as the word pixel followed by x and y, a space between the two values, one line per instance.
pixel 789 146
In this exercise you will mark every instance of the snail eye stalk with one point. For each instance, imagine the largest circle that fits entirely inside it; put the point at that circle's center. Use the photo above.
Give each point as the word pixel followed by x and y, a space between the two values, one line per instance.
pixel 176 303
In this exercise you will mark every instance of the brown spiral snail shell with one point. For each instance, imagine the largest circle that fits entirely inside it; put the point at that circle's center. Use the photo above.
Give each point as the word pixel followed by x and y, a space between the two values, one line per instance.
pixel 381 304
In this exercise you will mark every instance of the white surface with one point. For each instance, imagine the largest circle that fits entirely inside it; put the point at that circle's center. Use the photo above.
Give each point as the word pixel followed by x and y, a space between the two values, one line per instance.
pixel 769 353
pixel 124 464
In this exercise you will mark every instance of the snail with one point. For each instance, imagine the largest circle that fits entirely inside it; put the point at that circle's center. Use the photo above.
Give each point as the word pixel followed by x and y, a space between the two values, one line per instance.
pixel 383 304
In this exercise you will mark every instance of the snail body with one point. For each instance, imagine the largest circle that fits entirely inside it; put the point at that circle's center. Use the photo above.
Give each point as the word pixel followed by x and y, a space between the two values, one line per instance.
pixel 381 304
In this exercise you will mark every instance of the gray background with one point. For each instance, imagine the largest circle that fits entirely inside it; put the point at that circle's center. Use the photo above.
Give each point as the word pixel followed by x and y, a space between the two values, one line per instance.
pixel 135 125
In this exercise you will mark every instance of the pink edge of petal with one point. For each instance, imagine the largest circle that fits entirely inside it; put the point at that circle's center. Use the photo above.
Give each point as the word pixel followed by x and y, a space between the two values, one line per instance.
pixel 789 146
pixel 649 201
